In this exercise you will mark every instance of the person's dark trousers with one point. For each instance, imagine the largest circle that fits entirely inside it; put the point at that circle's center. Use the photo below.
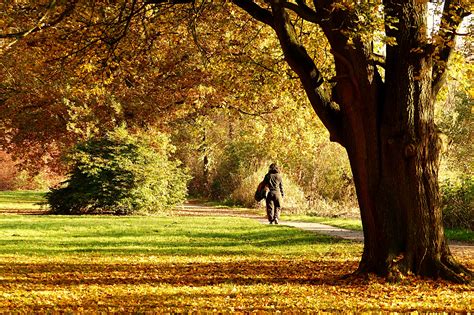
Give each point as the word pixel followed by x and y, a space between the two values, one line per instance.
pixel 273 203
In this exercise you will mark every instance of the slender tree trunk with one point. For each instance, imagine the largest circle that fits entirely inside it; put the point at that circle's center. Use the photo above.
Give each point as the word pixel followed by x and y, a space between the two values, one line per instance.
pixel 205 164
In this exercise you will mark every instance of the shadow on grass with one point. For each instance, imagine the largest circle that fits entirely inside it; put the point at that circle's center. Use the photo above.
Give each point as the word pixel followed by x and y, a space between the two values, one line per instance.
pixel 161 236
pixel 178 245
pixel 185 274
pixel 22 196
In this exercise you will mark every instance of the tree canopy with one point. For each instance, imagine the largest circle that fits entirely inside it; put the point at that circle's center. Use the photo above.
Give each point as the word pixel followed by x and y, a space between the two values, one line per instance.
pixel 370 70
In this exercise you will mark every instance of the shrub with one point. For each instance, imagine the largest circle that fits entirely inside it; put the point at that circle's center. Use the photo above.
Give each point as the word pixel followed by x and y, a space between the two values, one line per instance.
pixel 237 163
pixel 458 202
pixel 326 207
pixel 120 174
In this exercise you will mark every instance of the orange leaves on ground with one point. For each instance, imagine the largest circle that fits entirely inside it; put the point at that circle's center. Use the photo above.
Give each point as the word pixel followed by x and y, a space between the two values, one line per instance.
pixel 177 284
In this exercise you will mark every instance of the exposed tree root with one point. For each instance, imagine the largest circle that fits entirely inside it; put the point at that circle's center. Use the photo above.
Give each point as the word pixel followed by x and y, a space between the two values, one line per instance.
pixel 356 275
pixel 446 269
pixel 450 270
pixel 458 268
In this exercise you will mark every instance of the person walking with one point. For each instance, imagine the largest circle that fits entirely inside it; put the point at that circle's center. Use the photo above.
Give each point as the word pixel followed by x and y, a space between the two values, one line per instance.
pixel 275 195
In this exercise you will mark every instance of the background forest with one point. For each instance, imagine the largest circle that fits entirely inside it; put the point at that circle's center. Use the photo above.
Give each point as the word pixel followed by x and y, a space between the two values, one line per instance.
pixel 219 101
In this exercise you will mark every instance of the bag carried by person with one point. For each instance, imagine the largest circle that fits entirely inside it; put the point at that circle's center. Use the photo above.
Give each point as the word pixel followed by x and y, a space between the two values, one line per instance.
pixel 261 192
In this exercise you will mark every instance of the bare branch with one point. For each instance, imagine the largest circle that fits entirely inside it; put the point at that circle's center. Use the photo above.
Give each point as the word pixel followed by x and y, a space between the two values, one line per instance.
pixel 463 34
pixel 42 22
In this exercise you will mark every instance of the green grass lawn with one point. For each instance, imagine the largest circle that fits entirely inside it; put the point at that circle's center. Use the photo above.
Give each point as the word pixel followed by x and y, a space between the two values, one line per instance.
pixel 177 236
pixel 103 263
pixel 176 264
pixel 29 200
pixel 75 264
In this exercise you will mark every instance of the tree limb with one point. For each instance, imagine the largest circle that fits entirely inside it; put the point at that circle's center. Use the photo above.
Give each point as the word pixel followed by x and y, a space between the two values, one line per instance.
pixel 453 14
pixel 310 76
pixel 256 11
pixel 42 23
pixel 303 11
pixel 350 70
pixel 378 60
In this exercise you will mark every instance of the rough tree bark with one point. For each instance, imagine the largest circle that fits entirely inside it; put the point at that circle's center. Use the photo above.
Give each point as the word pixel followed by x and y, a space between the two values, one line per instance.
pixel 386 126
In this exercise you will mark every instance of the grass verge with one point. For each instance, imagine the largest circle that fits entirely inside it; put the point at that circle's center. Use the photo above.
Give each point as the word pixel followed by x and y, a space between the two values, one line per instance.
pixel 461 235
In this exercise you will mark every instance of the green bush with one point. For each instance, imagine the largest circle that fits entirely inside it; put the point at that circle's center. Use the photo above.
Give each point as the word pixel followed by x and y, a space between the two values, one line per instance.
pixel 120 174
pixel 458 202
pixel 237 163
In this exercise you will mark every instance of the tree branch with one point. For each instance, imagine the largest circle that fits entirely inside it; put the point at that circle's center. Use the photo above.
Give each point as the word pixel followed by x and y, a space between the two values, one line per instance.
pixel 128 20
pixel 310 76
pixel 168 1
pixel 378 60
pixel 256 11
pixel 350 69
pixel 42 24
pixel 247 113
pixel 453 14
pixel 303 11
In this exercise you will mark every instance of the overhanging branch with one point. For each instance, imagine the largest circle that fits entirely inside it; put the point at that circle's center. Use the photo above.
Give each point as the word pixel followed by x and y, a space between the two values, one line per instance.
pixel 256 11
pixel 453 15
pixel 304 66
pixel 378 60
pixel 303 11
pixel 43 23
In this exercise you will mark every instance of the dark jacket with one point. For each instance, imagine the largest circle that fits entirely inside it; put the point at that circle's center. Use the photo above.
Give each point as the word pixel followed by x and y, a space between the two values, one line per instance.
pixel 273 180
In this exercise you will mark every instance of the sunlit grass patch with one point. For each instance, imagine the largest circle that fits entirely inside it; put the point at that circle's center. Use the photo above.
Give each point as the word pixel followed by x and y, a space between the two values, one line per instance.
pixel 186 264
pixel 345 223
pixel 21 199
pixel 103 235
pixel 463 235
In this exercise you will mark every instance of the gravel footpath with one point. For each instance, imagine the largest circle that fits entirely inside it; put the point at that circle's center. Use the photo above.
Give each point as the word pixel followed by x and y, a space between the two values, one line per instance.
pixel 195 209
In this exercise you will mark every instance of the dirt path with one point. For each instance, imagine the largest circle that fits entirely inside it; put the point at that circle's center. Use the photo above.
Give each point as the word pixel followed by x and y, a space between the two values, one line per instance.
pixel 193 208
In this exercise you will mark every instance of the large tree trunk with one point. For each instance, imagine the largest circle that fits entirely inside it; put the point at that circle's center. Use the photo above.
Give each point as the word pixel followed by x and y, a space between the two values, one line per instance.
pixel 386 125
pixel 393 146
pixel 398 191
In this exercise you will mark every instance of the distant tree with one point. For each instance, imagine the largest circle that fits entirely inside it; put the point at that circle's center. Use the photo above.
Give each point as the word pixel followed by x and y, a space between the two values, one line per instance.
pixel 455 119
